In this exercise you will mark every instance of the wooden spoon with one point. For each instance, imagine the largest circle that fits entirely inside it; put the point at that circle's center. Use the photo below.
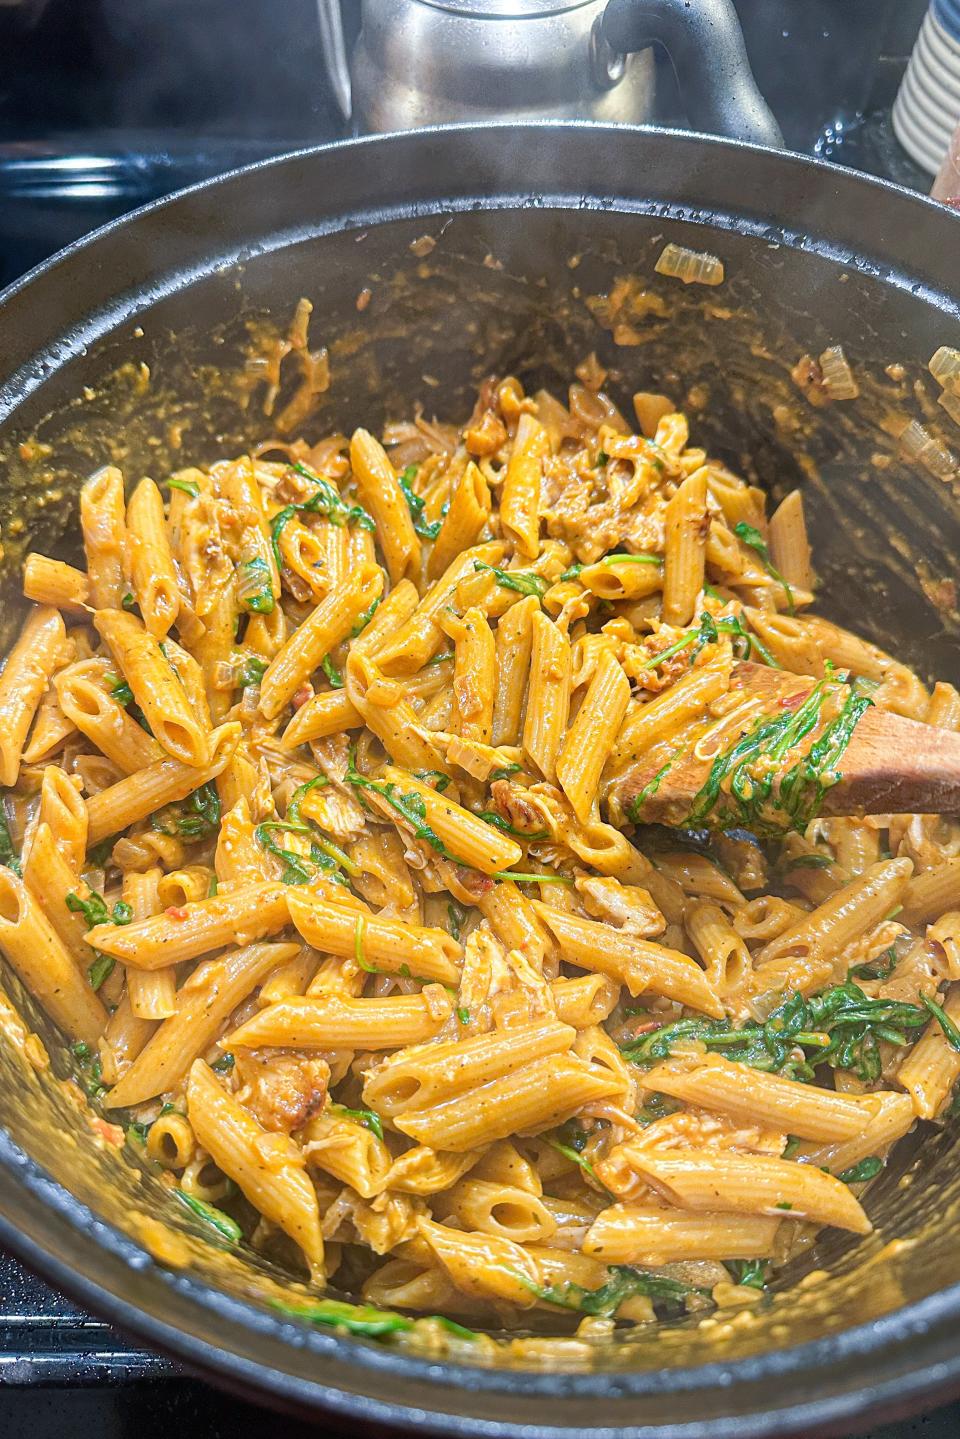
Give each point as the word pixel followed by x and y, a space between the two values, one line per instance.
pixel 891 765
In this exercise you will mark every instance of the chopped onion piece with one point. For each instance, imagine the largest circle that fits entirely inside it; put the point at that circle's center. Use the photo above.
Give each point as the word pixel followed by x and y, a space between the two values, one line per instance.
pixel 950 400
pixel 224 676
pixel 945 368
pixel 917 445
pixel 838 381
pixel 693 267
pixel 250 701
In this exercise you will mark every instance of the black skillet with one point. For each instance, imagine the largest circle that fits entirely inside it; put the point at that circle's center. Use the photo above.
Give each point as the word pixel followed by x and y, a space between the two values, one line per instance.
pixel 529 223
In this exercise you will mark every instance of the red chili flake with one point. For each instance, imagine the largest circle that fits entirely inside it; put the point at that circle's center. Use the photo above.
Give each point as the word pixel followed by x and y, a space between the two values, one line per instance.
pixel 477 884
pixel 110 1133
pixel 646 1026
pixel 303 694
pixel 793 702
pixel 175 911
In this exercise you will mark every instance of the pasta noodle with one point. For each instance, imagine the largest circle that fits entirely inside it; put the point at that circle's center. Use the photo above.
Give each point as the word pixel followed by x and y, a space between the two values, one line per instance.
pixel 320 841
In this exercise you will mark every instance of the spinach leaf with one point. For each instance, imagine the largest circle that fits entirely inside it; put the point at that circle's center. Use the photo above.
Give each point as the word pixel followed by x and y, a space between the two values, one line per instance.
pixel 842 1027
pixel 524 582
pixel 120 690
pixel 750 766
pixel 433 777
pixel 456 916
pixel 490 816
pixel 751 1272
pixel 226 1227
pixel 868 1168
pixel 327 501
pixel 297 868
pixel 508 874
pixel 628 559
pixel 94 910
pixel 950 1030
pixel 100 970
pixel 754 540
pixel 8 855
pixel 364 619
pixel 255 586
pixel 250 672
pixel 635 806
pixel 189 487
pixel 362 1319
pixel 332 673
pixel 197 817
pixel 622 1285
pixel 410 807
pixel 367 1117
pixel 426 529
pixel 294 816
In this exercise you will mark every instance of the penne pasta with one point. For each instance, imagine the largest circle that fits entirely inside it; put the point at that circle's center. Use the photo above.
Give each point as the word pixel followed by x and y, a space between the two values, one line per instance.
pixel 409 648
pixel 725 1182
pixel 156 687
pixel 237 917
pixel 548 694
pixel 639 964
pixel 687 528
pixel 103 522
pixel 753 1097
pixel 803 956
pixel 379 492
pixel 514 643
pixel 789 546
pixel 643 1234
pixel 163 782
pixel 26 674
pixel 931 1069
pixel 152 994
pixel 545 1092
pixel 463 523
pixel 204 1004
pixel 148 561
pixel 38 956
pixel 520 495
pixel 54 583
pixel 268 1168
pixel 474 675
pixel 311 642
pixel 326 1021
pixel 378 944
pixel 322 844
pixel 590 738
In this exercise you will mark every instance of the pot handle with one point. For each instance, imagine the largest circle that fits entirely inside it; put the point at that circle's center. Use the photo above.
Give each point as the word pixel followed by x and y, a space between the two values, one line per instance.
pixel 705 44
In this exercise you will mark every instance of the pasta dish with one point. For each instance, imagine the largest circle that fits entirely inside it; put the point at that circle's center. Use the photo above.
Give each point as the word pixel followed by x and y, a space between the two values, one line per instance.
pixel 331 843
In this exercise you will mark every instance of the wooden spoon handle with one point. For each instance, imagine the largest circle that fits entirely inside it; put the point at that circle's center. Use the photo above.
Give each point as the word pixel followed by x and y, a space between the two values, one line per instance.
pixel 894 765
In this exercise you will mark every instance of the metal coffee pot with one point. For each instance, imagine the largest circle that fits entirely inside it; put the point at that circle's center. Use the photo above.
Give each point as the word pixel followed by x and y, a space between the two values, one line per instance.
pixel 427 62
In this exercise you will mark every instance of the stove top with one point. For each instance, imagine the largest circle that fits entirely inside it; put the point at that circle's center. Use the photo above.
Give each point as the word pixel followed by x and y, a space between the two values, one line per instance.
pixel 103 107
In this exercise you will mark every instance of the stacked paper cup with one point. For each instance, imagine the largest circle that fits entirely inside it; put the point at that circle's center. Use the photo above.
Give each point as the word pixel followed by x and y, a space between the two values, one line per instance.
pixel 927 109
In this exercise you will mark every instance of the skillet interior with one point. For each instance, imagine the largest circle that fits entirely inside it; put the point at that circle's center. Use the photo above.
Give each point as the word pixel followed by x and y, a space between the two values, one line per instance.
pixel 884 534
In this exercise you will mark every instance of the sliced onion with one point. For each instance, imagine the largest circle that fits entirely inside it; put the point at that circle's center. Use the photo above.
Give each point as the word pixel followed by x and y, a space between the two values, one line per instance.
pixel 950 400
pixel 693 267
pixel 945 368
pixel 920 447
pixel 250 701
pixel 838 381
pixel 224 676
